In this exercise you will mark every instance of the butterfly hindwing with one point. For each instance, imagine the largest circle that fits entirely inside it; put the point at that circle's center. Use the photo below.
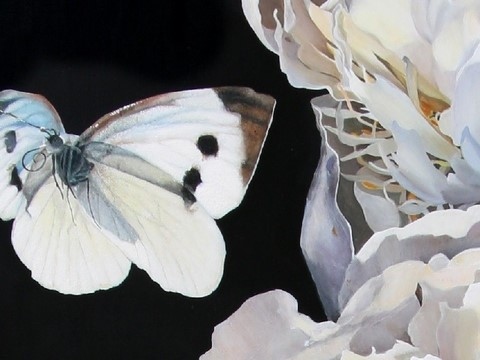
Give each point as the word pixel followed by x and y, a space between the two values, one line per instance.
pixel 181 248
pixel 57 239
pixel 21 116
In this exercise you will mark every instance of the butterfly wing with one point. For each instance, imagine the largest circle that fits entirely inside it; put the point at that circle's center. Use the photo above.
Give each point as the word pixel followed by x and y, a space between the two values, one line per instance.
pixel 21 116
pixel 167 165
pixel 180 247
pixel 60 242
pixel 209 140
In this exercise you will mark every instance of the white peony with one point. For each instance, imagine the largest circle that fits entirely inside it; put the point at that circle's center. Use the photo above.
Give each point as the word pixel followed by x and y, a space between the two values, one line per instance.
pixel 420 304
pixel 400 121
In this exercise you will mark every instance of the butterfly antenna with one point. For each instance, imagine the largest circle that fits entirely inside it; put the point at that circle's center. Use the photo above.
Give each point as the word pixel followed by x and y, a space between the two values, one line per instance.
pixel 21 120
pixel 49 132
pixel 35 160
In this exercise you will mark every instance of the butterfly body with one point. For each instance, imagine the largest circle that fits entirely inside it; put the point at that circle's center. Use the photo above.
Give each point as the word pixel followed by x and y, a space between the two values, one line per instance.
pixel 147 181
pixel 69 162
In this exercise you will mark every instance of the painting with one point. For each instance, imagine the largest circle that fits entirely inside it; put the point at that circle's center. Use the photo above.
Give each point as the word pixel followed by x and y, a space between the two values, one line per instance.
pixel 273 179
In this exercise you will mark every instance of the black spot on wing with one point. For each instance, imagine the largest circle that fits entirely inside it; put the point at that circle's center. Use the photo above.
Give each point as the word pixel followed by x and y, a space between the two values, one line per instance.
pixel 208 145
pixel 191 180
pixel 10 140
pixel 187 196
pixel 15 179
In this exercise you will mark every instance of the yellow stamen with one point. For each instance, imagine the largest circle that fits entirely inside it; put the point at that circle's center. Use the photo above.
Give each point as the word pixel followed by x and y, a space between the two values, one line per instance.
pixel 370 185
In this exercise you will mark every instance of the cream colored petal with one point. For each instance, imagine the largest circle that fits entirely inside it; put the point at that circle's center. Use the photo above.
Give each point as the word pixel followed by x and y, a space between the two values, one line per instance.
pixel 267 326
pixel 400 351
pixel 368 52
pixel 380 213
pixel 286 28
pixel 458 333
pixel 389 105
pixel 465 110
pixel 391 23
pixel 422 328
pixel 447 231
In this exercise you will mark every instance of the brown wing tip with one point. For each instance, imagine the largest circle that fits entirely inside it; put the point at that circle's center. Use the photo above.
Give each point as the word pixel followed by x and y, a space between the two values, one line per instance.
pixel 256 112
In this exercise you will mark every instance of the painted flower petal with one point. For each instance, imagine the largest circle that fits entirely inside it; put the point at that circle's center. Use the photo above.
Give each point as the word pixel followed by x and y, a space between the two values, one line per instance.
pixel 287 29
pixel 326 235
pixel 465 111
pixel 393 26
pixel 413 166
pixel 267 326
pixel 399 351
pixel 380 213
pixel 458 333
pixel 448 232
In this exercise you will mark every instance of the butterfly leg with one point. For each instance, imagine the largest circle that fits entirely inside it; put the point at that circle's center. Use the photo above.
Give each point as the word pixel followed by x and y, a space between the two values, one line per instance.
pixel 90 204
pixel 54 173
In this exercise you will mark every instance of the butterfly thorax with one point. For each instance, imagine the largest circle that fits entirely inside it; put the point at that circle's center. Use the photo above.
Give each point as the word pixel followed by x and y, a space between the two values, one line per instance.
pixel 70 164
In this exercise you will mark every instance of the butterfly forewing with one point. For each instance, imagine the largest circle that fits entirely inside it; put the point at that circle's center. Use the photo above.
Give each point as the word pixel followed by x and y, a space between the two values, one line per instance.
pixel 21 117
pixel 209 140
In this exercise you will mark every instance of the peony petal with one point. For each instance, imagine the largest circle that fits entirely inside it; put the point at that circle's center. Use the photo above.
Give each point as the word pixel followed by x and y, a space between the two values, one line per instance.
pixel 382 308
pixel 287 29
pixel 389 105
pixel 413 166
pixel 465 111
pixel 471 151
pixel 393 26
pixel 326 238
pixel 458 333
pixel 447 231
pixel 399 351
pixel 262 22
pixel 267 326
pixel 422 328
pixel 380 213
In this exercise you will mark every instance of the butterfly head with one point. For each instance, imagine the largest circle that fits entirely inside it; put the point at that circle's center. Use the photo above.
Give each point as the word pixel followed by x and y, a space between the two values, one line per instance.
pixel 34 159
pixel 54 140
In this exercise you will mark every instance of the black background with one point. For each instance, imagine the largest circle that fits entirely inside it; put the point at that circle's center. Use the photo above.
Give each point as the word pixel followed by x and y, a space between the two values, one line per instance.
pixel 88 59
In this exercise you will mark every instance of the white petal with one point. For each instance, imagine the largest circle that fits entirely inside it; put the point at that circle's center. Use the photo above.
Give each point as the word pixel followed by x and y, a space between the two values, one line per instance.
pixel 383 307
pixel 389 105
pixel 380 213
pixel 414 166
pixel 458 333
pixel 326 235
pixel 251 9
pixel 465 111
pixel 447 231
pixel 267 326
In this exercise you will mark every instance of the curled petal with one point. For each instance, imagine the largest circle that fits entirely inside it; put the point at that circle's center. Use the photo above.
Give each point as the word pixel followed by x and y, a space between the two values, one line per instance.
pixel 267 326
pixel 465 110
pixel 448 232
pixel 288 28
pixel 380 213
pixel 326 238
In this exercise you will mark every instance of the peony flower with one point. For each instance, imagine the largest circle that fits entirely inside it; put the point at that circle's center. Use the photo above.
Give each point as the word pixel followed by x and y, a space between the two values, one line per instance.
pixel 421 303
pixel 400 121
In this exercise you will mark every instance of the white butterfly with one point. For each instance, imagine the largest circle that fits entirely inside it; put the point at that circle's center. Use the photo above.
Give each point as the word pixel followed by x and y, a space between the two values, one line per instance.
pixel 143 185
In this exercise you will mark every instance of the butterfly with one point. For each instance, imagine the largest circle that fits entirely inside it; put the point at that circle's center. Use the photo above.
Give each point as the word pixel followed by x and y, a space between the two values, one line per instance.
pixel 141 185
